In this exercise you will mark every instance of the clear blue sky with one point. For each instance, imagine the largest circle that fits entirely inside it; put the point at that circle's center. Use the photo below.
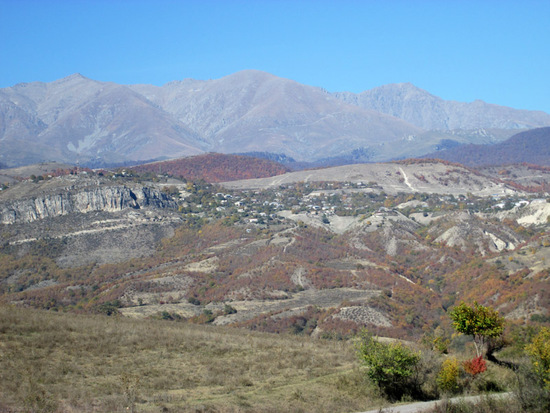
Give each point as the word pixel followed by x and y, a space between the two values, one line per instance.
pixel 496 51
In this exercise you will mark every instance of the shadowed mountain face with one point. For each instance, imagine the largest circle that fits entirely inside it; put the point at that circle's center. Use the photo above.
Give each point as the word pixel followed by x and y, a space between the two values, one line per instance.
pixel 532 146
pixel 94 122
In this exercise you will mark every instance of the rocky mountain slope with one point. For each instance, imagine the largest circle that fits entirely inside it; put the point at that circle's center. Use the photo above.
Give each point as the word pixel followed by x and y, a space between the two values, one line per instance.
pixel 76 118
pixel 255 111
pixel 323 254
pixel 97 123
pixel 419 107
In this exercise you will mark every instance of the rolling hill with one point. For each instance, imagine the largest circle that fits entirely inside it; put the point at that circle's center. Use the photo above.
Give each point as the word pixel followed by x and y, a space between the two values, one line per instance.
pixel 325 252
pixel 215 167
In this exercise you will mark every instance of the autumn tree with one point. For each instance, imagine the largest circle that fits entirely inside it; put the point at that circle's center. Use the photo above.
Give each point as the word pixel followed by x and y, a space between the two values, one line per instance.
pixel 539 352
pixel 480 322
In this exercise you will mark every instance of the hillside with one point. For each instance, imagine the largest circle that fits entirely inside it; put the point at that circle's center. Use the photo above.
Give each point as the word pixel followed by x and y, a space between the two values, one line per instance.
pixel 215 168
pixel 392 178
pixel 12 175
pixel 387 246
pixel 54 362
pixel 531 147
pixel 77 119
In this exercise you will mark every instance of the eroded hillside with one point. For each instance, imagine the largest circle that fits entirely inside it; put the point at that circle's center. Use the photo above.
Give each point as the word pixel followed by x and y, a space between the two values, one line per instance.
pixel 389 246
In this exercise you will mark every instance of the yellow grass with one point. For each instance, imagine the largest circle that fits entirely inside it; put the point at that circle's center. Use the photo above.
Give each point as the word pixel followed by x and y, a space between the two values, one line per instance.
pixel 80 363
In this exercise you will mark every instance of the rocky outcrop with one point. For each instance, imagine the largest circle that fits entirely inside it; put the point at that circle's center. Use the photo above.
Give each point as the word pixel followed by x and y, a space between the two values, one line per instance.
pixel 82 199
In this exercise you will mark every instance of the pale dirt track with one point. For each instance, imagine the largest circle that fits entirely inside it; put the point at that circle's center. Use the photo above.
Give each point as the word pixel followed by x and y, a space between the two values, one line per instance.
pixel 425 406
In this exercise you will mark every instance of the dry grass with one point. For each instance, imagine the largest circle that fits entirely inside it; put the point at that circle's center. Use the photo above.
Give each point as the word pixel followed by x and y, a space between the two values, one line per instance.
pixel 80 363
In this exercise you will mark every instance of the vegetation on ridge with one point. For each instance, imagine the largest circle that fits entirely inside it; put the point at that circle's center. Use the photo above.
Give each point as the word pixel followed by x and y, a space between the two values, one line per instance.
pixel 215 167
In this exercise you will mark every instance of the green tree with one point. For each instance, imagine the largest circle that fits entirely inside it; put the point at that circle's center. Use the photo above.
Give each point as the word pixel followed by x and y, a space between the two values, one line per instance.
pixel 482 323
pixel 391 366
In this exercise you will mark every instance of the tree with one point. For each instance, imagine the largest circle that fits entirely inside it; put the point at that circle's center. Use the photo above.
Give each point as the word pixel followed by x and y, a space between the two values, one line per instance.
pixel 480 322
pixel 392 367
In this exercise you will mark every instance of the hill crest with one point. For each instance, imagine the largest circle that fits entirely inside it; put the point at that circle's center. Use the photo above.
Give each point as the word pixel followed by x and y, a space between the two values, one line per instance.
pixel 215 167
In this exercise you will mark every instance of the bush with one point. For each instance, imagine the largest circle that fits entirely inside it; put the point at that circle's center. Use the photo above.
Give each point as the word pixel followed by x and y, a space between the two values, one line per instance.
pixel 109 307
pixel 194 301
pixel 475 366
pixel 539 352
pixel 530 394
pixel 448 377
pixel 228 309
pixel 392 367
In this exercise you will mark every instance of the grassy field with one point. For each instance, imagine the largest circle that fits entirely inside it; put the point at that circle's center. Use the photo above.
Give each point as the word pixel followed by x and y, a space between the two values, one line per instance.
pixel 81 363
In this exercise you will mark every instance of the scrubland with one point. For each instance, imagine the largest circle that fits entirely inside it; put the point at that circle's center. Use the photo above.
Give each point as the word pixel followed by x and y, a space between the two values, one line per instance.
pixel 60 362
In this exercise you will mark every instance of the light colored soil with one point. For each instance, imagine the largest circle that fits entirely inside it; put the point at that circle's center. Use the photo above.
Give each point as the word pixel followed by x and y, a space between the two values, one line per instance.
pixel 249 309
pixel 426 406
pixel 392 178
pixel 206 266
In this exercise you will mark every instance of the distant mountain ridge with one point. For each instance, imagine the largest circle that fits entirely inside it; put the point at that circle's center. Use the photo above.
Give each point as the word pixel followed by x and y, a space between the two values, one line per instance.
pixel 532 146
pixel 76 119
pixel 253 111
pixel 419 107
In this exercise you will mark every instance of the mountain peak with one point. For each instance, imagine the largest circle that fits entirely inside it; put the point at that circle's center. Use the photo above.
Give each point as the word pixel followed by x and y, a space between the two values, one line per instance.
pixel 247 111
pixel 252 74
pixel 74 77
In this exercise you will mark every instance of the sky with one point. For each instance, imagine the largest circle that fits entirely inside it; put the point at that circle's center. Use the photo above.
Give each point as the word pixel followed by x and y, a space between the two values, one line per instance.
pixel 462 50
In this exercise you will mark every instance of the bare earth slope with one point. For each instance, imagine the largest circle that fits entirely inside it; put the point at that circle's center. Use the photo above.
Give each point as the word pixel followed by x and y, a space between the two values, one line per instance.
pixel 429 177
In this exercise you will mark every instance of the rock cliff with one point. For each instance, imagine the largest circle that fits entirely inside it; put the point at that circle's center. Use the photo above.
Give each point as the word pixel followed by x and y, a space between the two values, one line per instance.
pixel 66 195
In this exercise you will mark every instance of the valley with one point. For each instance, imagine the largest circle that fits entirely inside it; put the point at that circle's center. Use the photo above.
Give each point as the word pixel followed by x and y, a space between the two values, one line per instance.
pixel 265 207
pixel 321 252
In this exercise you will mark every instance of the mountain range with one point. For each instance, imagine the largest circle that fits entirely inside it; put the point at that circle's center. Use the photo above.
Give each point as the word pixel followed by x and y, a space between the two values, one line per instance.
pixel 76 119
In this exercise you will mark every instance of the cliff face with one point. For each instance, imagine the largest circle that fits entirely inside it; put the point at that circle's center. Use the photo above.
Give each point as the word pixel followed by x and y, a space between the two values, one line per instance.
pixel 82 196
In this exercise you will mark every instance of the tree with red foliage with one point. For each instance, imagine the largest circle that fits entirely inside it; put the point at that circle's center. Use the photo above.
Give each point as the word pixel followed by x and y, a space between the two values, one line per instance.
pixel 475 366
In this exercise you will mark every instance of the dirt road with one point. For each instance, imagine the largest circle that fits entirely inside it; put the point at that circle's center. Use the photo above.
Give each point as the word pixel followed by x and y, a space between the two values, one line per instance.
pixel 425 406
